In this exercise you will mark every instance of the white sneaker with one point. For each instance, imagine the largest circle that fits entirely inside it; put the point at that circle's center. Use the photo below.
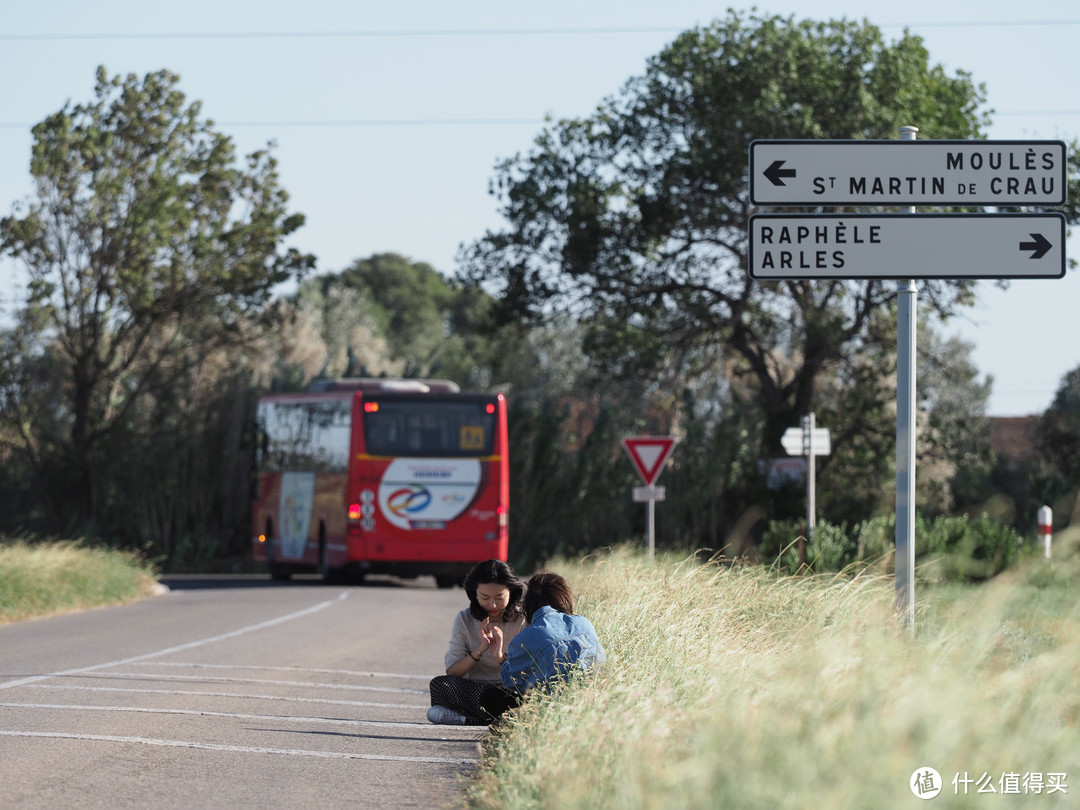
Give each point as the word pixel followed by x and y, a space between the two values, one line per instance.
pixel 442 716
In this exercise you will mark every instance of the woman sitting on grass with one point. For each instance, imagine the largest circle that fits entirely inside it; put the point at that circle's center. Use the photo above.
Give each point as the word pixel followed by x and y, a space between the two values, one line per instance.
pixel 477 644
pixel 556 643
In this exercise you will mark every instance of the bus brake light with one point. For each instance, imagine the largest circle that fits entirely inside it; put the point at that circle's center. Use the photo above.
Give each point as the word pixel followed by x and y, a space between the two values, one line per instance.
pixel 490 407
pixel 371 407
pixel 354 511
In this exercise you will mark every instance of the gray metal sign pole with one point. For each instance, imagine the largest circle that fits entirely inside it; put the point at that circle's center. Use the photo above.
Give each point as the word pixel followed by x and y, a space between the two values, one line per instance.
pixel 808 451
pixel 907 304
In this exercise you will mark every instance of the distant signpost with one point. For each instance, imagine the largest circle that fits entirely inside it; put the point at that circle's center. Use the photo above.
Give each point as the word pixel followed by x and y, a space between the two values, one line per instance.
pixel 648 453
pixel 809 441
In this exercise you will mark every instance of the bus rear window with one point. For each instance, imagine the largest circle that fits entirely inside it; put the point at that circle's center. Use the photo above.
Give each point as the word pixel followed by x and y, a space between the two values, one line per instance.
pixel 306 436
pixel 433 428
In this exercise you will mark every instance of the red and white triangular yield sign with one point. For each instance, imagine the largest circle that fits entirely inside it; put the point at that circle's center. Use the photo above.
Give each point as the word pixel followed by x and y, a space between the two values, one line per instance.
pixel 648 454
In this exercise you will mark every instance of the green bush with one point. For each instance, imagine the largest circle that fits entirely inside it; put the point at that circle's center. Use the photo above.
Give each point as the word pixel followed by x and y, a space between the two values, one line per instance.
pixel 45 577
pixel 947 548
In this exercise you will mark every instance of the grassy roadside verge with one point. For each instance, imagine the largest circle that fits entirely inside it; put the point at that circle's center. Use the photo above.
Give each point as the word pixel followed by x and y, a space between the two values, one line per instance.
pixel 730 687
pixel 44 579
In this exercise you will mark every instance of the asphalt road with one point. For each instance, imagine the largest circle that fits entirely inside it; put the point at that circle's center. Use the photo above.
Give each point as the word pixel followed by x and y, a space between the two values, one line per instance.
pixel 234 692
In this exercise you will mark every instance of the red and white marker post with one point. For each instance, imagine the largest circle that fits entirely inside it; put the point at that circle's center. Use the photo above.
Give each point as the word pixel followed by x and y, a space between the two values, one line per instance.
pixel 1046 527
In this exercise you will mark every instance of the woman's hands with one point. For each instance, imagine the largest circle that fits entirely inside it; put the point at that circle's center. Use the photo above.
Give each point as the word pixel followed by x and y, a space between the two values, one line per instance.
pixel 491 643
pixel 493 639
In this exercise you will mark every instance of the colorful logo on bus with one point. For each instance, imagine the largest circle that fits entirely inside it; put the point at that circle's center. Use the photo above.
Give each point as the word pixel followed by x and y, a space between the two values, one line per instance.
pixel 408 501
pixel 421 492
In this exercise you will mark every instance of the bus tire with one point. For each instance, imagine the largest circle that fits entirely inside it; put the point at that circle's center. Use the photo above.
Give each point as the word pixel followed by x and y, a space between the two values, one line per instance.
pixel 326 573
pixel 277 573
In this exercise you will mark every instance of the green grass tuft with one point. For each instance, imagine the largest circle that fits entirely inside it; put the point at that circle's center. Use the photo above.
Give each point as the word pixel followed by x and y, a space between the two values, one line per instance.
pixel 46 578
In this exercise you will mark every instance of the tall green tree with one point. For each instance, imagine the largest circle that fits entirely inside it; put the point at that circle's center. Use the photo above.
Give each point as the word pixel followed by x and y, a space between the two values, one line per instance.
pixel 954 456
pixel 412 321
pixel 634 219
pixel 1056 471
pixel 151 252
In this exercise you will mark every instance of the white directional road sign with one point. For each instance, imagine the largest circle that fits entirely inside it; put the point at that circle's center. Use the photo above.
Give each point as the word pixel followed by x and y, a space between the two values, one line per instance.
pixel 794 442
pixel 998 173
pixel 907 246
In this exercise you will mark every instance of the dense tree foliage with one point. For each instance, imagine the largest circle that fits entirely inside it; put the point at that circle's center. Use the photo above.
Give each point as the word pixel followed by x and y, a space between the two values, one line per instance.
pixel 634 219
pixel 151 254
pixel 389 316
pixel 954 458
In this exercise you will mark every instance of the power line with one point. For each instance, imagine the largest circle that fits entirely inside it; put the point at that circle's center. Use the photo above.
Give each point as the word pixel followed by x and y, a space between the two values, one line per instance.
pixel 453 32
pixel 471 32
pixel 365 122
pixel 464 122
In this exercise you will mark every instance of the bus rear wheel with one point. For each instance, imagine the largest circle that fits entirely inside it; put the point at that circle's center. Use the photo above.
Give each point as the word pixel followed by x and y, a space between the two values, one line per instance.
pixel 277 573
pixel 329 575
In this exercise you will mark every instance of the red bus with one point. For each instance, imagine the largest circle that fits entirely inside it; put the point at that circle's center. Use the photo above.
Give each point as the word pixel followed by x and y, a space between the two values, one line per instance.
pixel 401 477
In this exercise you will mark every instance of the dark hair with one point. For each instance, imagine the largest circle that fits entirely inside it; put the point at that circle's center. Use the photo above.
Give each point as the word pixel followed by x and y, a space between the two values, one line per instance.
pixel 494 572
pixel 551 590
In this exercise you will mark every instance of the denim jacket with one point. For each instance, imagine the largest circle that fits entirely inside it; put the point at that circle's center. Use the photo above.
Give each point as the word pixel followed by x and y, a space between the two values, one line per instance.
pixel 548 648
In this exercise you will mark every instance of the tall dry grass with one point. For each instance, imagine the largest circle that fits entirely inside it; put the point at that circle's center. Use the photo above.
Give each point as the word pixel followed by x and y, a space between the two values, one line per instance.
pixel 46 578
pixel 732 687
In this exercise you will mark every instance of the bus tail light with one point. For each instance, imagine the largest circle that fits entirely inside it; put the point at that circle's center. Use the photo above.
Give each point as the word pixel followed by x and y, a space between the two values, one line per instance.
pixel 354 518
pixel 503 517
pixel 262 538
pixel 371 407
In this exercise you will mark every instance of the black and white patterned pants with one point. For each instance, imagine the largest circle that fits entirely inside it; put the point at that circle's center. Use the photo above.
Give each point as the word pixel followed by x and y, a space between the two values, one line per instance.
pixel 480 701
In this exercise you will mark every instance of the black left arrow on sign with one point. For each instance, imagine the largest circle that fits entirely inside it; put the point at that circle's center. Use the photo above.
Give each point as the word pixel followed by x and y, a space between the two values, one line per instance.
pixel 775 173
pixel 1041 245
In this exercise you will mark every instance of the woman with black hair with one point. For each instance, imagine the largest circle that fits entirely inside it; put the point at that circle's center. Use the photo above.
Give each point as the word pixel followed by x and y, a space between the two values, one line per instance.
pixel 478 642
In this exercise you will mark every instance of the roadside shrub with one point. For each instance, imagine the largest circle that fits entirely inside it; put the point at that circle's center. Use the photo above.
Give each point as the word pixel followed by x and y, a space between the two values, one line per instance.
pixel 947 548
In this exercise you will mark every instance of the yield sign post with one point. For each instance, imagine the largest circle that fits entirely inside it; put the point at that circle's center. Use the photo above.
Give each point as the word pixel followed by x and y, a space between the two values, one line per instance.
pixel 649 454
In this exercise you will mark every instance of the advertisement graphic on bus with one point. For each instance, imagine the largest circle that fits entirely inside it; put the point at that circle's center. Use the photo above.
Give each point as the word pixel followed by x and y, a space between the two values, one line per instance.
pixel 404 477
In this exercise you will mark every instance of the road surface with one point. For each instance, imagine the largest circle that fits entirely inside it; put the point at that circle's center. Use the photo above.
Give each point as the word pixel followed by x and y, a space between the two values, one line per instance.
pixel 234 692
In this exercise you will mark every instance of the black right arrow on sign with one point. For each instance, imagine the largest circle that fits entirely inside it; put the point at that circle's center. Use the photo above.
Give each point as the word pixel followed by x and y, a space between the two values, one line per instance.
pixel 1040 246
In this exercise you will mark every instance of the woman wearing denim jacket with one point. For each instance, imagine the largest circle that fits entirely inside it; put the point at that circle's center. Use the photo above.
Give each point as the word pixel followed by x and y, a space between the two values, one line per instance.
pixel 555 643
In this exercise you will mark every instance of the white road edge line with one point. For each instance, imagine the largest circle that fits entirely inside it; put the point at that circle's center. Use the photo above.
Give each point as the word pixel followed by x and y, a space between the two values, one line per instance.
pixel 333 721
pixel 234 695
pixel 295 752
pixel 189 646
pixel 398 690
pixel 361 673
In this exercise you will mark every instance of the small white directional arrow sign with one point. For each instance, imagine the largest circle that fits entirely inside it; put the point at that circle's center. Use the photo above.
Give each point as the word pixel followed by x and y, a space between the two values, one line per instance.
pixel 880 172
pixel 794 442
pixel 910 246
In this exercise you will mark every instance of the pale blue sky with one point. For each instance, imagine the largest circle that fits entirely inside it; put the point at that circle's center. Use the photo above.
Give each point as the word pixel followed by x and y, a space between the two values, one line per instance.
pixel 389 117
